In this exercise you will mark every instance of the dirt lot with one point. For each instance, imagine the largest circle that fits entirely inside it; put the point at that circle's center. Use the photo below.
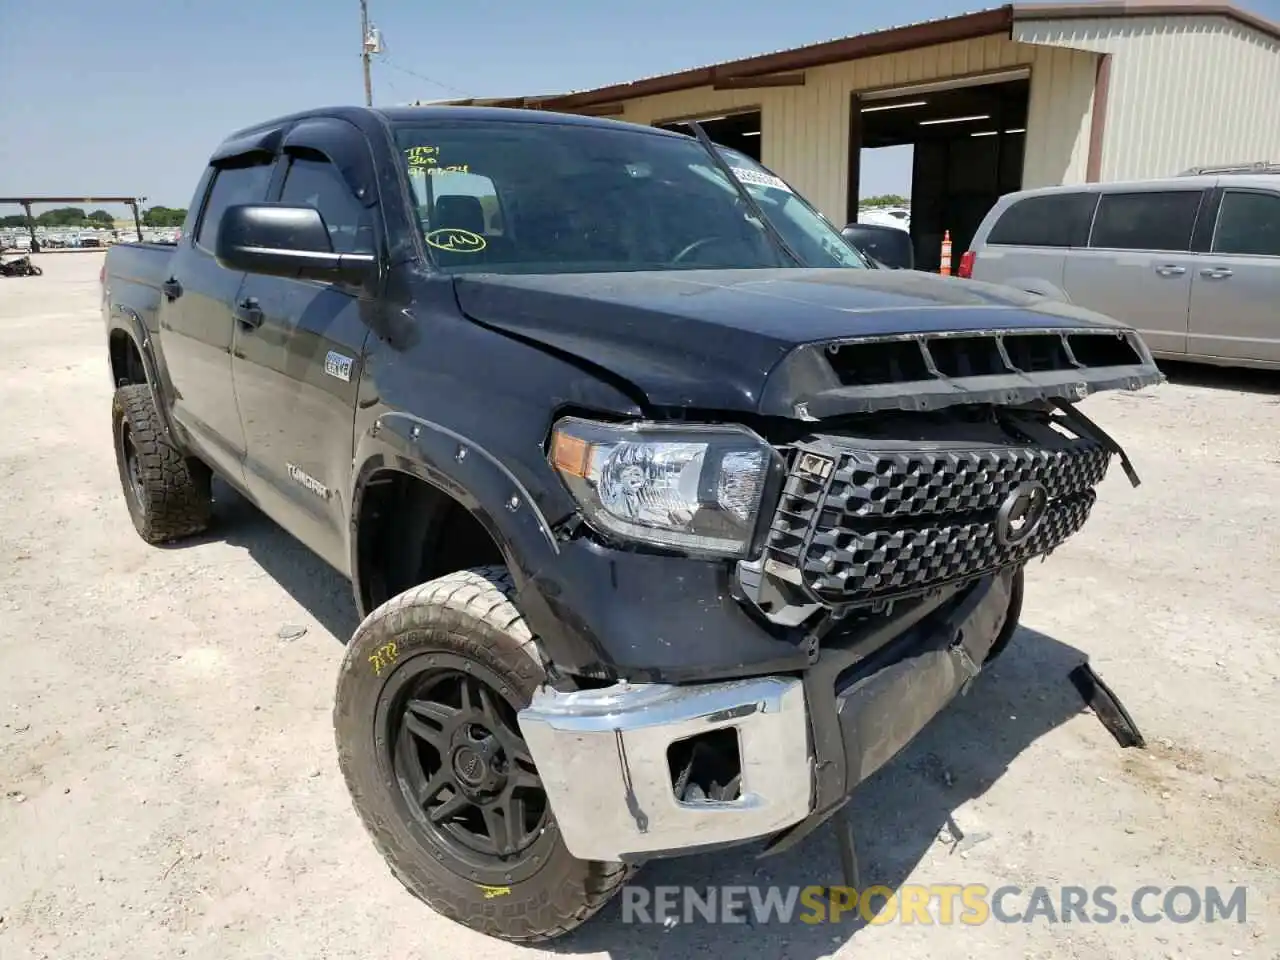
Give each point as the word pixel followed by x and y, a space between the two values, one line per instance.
pixel 167 776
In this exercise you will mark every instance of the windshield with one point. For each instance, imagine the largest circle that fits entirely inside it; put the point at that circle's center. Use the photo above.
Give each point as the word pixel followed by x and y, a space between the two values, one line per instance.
pixel 562 198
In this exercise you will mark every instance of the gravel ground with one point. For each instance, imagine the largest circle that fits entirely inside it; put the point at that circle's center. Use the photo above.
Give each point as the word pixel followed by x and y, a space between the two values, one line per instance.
pixel 167 776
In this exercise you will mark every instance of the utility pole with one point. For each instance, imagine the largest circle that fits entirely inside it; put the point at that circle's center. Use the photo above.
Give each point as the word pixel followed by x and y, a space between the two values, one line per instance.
pixel 365 49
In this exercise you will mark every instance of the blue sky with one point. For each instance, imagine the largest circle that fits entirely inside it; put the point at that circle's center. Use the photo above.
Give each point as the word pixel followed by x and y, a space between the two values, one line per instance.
pixel 129 96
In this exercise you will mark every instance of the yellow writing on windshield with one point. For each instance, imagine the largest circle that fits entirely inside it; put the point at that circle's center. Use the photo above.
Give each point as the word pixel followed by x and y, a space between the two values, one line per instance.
pixel 427 160
pixel 423 156
pixel 456 240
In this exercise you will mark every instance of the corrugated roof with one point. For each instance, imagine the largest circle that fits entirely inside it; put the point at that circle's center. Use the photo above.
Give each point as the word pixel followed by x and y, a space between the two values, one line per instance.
pixel 1111 9
pixel 893 40
pixel 966 26
pixel 797 49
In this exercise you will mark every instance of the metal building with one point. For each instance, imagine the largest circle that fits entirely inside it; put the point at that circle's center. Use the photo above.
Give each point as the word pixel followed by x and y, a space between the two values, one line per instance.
pixel 1018 96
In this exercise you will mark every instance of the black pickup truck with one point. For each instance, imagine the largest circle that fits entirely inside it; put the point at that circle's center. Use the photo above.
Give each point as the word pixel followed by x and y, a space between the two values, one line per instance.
pixel 670 518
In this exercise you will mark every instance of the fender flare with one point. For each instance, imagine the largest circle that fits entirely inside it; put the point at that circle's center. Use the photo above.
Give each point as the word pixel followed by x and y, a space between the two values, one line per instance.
pixel 127 320
pixel 470 475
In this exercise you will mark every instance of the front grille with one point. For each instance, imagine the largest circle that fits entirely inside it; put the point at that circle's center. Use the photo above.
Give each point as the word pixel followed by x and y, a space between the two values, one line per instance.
pixel 857 524
pixel 867 484
pixel 862 564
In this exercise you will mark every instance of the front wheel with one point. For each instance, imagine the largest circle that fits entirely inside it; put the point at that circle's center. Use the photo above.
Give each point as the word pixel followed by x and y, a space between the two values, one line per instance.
pixel 429 744
pixel 1011 617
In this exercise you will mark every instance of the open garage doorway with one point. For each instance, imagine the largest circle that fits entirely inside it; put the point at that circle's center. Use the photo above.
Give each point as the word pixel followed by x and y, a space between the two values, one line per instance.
pixel 739 131
pixel 967 137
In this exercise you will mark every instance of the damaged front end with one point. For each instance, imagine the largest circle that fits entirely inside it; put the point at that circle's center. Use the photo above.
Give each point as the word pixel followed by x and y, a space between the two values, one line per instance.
pixel 917 476
pixel 935 458
pixel 931 371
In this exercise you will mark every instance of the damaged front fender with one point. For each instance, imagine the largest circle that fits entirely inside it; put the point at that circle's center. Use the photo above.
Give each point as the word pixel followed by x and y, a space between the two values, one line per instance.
pixel 583 599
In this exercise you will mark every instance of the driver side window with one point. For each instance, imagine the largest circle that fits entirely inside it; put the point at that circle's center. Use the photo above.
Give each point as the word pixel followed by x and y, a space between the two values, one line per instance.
pixel 234 183
pixel 313 181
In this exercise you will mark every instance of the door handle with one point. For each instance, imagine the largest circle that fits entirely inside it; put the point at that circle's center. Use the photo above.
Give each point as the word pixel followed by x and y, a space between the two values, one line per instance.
pixel 249 313
pixel 171 288
pixel 1215 273
pixel 1170 270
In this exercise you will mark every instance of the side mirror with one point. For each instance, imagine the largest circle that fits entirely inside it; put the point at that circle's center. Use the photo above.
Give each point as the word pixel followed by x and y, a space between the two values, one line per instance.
pixel 889 246
pixel 283 241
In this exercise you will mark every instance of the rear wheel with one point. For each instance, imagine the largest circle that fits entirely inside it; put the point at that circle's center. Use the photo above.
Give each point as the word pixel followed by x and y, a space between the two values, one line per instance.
pixel 167 493
pixel 431 750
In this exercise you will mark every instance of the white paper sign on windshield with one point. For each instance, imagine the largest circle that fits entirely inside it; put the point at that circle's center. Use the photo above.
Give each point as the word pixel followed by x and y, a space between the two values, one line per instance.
pixel 760 178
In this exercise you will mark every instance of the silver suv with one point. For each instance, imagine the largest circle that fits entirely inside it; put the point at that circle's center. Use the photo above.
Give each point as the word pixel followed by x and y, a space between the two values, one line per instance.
pixel 1193 261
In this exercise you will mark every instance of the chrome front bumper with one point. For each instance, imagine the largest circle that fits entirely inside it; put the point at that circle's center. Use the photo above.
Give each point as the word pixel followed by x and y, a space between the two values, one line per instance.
pixel 602 755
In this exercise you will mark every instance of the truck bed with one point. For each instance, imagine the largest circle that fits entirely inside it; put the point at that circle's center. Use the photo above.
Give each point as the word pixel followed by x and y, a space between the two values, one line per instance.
pixel 132 276
pixel 141 263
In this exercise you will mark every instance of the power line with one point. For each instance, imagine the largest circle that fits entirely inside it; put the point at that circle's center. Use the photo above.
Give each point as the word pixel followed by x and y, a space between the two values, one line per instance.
pixel 386 61
pixel 371 45
pixel 402 97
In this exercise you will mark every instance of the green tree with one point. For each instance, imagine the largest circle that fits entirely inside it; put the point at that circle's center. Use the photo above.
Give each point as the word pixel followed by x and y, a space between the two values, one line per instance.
pixel 886 200
pixel 61 217
pixel 164 217
pixel 14 220
pixel 100 218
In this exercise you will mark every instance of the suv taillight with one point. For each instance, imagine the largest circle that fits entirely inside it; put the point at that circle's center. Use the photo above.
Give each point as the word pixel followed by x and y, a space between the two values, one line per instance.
pixel 102 274
pixel 966 265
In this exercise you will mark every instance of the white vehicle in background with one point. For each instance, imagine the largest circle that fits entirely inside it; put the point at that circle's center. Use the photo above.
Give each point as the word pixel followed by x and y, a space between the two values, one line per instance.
pixel 899 217
pixel 1192 262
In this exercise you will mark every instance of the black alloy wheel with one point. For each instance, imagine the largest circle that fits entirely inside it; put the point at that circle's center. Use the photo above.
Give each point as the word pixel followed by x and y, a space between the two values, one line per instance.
pixel 464 774
pixel 428 736
pixel 167 492
pixel 133 467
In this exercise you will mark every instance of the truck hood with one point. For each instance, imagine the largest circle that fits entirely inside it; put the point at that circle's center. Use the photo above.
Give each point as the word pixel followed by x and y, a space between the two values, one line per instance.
pixel 768 341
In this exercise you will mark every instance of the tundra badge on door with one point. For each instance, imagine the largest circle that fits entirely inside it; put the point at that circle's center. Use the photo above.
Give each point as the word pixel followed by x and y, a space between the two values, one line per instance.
pixel 300 476
pixel 336 365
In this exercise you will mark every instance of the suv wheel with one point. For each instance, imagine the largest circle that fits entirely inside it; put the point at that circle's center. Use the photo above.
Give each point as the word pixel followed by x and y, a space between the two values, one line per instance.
pixel 167 492
pixel 431 750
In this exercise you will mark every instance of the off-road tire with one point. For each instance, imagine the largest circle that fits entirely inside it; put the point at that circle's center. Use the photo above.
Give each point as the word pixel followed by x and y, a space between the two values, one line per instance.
pixel 1010 626
pixel 470 613
pixel 172 497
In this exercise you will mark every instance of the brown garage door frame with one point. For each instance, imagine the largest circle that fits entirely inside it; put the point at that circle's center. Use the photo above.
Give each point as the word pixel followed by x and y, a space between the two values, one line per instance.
pixel 978 78
pixel 708 114
pixel 1098 121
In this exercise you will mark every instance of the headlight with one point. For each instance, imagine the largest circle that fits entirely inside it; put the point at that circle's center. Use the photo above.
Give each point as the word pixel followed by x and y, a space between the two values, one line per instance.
pixel 692 488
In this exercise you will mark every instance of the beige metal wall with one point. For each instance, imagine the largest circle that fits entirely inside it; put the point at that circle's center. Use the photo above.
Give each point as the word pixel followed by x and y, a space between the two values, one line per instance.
pixel 806 129
pixel 1185 91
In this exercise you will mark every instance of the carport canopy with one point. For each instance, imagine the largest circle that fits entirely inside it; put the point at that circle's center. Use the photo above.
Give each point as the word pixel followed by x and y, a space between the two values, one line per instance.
pixel 133 203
